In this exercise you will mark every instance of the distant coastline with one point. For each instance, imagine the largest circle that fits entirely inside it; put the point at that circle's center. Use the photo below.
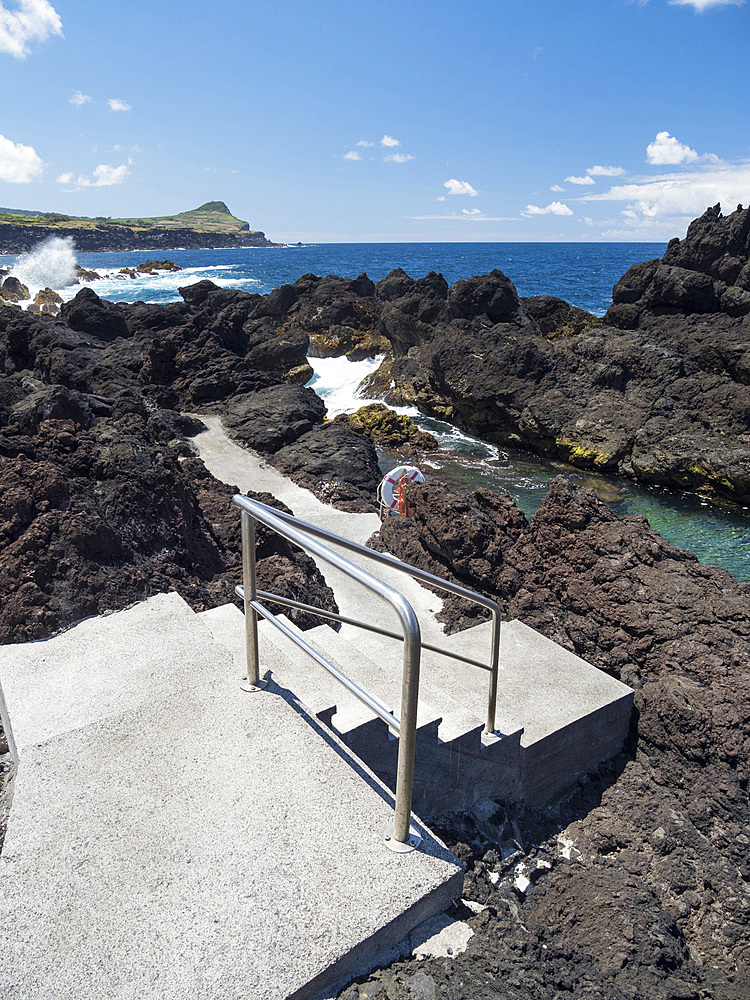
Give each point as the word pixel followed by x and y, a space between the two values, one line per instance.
pixel 206 227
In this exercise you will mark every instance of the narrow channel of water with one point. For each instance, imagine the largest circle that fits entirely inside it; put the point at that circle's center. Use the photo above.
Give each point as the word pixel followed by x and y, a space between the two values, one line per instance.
pixel 718 537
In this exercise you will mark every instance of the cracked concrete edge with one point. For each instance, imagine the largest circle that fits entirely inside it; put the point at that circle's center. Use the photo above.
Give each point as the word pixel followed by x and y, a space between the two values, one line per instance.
pixel 393 942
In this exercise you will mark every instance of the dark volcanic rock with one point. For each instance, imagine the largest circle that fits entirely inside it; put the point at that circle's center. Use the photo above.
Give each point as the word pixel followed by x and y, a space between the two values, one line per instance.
pixel 657 391
pixel 112 237
pixel 87 313
pixel 338 315
pixel 557 318
pixel 12 290
pixel 101 503
pixel 491 295
pixel 272 418
pixel 388 429
pixel 641 880
pixel 707 272
pixel 339 465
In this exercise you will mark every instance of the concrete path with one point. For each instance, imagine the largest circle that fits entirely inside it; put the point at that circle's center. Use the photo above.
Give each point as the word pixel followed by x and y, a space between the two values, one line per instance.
pixel 172 837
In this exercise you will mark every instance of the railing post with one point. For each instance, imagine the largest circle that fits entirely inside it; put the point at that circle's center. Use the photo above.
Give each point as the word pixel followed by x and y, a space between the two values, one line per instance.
pixel 494 667
pixel 253 681
pixel 402 836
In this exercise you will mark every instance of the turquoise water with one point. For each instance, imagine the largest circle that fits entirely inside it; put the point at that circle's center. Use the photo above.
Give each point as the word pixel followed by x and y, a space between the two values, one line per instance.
pixel 717 536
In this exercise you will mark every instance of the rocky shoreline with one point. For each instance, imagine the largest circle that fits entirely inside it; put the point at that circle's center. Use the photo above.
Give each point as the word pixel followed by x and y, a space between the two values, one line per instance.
pixel 111 238
pixel 640 881
pixel 656 391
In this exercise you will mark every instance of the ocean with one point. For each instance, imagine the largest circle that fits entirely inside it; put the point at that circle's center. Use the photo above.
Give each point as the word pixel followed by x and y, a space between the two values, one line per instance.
pixel 582 274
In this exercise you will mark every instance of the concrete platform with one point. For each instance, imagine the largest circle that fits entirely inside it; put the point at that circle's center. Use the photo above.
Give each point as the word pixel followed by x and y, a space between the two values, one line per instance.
pixel 173 837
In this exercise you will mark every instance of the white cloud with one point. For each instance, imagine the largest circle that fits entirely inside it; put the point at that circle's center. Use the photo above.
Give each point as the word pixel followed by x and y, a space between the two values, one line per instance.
pixel 471 211
pixel 665 149
pixel 19 164
pixel 580 180
pixel 104 175
pixel 352 155
pixel 460 187
pixel 702 5
pixel 79 99
pixel 599 171
pixel 35 20
pixel 554 208
pixel 556 187
pixel 115 104
pixel 398 158
pixel 440 197
pixel 365 142
pixel 388 140
pixel 682 195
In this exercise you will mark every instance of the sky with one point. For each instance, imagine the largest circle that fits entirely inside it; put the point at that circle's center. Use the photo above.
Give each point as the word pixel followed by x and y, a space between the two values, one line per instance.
pixel 360 121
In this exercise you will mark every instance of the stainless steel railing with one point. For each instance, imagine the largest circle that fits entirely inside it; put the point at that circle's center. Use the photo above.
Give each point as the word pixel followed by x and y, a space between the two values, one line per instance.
pixel 302 533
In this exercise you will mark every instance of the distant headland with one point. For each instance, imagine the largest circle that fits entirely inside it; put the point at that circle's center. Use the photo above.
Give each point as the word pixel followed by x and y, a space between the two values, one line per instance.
pixel 210 225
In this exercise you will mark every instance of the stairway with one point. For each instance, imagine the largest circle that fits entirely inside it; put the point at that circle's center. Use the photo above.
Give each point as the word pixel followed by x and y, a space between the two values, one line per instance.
pixel 558 717
pixel 172 836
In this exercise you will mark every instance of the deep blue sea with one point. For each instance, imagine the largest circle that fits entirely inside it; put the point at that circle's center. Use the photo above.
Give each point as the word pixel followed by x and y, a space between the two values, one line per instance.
pixel 581 273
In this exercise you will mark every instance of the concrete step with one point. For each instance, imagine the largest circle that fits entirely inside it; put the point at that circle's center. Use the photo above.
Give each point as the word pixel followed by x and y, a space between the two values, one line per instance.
pixel 557 716
pixel 174 836
pixel 449 774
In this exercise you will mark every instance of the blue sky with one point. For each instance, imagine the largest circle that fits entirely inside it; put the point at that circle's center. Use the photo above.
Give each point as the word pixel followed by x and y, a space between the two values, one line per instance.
pixel 352 120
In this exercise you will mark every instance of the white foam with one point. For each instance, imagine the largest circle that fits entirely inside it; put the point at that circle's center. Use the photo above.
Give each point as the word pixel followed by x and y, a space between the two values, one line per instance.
pixel 116 286
pixel 338 382
pixel 52 264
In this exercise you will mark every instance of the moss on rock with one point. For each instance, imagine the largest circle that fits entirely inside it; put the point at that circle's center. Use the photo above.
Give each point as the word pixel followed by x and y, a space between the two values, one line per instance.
pixel 388 428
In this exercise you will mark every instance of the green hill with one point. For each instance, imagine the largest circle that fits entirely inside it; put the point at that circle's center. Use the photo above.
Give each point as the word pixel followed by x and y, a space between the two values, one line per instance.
pixel 213 217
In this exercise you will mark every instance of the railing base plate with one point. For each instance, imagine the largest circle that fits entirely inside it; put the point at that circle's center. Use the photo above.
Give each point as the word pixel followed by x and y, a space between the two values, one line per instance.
pixel 252 688
pixel 399 847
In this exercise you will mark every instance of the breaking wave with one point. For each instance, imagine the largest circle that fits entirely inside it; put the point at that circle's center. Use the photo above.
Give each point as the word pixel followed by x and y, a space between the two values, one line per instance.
pixel 50 265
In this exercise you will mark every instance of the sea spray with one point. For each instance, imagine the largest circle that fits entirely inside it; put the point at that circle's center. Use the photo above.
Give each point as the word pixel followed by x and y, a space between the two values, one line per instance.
pixel 52 264
pixel 338 383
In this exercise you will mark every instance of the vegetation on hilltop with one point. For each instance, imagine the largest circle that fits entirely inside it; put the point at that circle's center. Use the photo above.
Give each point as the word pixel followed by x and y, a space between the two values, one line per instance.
pixel 212 217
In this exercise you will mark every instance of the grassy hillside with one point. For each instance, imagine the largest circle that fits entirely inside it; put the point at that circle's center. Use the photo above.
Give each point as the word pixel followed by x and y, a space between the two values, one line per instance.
pixel 213 217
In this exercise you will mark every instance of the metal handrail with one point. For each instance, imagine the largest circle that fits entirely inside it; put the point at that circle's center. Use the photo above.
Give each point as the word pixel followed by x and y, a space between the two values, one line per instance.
pixel 311 609
pixel 299 532
pixel 386 559
pixel 252 510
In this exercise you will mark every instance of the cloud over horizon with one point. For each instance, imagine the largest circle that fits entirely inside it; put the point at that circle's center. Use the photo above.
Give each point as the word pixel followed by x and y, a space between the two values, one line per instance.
pixel 703 5
pixel 554 208
pixel 683 195
pixel 34 21
pixel 19 164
